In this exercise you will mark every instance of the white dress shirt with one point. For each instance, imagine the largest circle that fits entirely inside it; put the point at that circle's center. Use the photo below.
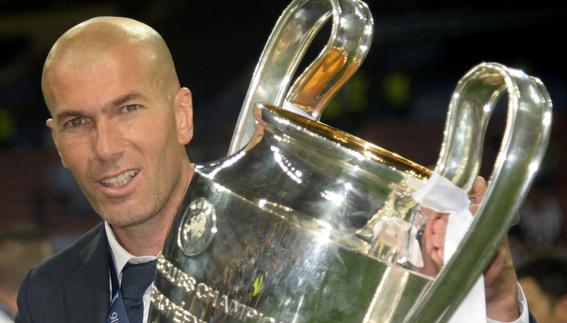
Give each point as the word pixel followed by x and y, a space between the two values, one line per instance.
pixel 121 257
pixel 4 318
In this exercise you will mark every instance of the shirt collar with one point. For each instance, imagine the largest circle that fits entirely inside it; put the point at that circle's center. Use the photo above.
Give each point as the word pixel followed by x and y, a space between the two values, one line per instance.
pixel 121 256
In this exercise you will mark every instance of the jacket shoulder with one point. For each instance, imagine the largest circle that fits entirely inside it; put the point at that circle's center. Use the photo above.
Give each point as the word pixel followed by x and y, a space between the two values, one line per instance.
pixel 58 267
pixel 43 293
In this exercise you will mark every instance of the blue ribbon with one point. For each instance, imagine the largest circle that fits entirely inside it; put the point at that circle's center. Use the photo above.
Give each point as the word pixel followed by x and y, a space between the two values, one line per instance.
pixel 116 312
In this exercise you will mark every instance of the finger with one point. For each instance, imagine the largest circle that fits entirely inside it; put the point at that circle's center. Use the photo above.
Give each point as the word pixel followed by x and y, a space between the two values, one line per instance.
pixel 437 257
pixel 434 250
pixel 432 219
pixel 477 191
pixel 438 240
pixel 440 225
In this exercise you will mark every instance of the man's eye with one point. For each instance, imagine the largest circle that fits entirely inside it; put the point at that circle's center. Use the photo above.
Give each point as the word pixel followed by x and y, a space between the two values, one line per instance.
pixel 74 123
pixel 131 108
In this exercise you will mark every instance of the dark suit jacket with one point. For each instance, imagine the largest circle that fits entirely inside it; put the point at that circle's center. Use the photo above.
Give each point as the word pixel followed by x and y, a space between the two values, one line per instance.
pixel 71 287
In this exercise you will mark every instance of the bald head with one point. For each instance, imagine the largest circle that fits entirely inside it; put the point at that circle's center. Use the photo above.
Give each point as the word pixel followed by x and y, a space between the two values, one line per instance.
pixel 100 37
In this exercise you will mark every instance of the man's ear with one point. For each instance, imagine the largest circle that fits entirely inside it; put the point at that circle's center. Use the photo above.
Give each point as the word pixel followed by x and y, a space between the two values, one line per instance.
pixel 50 123
pixel 184 115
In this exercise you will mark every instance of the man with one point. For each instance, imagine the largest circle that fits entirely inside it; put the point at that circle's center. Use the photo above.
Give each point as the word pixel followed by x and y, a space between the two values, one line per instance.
pixel 120 121
pixel 544 280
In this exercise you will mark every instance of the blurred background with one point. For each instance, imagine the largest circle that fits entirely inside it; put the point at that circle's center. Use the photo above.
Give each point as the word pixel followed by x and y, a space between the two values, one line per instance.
pixel 397 100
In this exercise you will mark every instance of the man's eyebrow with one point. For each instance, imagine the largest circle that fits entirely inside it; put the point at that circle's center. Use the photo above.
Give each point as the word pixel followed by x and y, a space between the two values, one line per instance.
pixel 116 102
pixel 68 113
pixel 125 98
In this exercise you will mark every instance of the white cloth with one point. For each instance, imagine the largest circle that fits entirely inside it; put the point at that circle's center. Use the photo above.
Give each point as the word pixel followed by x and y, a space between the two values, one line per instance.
pixel 121 257
pixel 4 318
pixel 441 195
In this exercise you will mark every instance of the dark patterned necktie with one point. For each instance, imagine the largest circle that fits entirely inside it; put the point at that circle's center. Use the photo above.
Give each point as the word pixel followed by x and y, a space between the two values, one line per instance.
pixel 135 280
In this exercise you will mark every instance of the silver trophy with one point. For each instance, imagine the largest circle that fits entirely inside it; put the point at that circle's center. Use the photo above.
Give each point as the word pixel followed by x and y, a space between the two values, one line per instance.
pixel 282 230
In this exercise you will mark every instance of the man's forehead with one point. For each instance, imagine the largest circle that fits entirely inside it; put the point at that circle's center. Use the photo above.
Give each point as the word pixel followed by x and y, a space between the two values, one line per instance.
pixel 97 82
pixel 91 68
pixel 103 49
pixel 87 56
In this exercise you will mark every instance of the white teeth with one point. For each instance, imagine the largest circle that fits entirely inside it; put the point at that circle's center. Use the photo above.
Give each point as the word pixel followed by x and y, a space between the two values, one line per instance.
pixel 120 179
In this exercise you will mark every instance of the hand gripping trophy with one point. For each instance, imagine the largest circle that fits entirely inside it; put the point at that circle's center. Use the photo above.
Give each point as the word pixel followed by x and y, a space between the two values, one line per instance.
pixel 305 223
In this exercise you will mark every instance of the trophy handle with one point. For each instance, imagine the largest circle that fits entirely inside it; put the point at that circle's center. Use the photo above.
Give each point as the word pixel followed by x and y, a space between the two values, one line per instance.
pixel 523 145
pixel 349 42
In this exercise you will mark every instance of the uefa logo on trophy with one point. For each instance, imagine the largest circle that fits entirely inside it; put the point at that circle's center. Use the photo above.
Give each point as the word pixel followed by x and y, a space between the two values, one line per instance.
pixel 198 227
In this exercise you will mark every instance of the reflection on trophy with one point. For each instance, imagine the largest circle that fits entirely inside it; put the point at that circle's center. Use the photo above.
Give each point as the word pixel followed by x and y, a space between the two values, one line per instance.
pixel 305 223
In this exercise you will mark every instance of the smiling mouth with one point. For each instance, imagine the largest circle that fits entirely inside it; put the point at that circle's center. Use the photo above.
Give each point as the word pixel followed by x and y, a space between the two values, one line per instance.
pixel 120 179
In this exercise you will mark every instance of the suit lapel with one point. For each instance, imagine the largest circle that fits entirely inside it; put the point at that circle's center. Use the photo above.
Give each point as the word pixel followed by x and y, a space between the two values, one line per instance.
pixel 87 289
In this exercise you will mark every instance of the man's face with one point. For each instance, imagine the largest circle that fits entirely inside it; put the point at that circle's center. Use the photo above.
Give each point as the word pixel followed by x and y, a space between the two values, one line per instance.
pixel 115 130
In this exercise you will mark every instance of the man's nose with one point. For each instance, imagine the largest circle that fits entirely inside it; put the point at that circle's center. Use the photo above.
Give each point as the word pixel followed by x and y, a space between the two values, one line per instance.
pixel 109 141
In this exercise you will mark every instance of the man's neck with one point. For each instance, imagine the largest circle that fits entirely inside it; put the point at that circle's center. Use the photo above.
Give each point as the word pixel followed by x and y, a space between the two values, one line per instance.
pixel 147 239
